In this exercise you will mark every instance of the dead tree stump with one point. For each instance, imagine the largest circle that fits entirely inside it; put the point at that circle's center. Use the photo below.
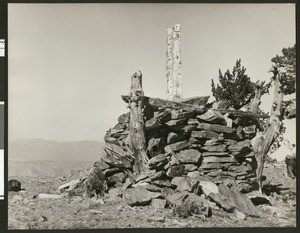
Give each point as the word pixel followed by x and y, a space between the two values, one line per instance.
pixel 136 126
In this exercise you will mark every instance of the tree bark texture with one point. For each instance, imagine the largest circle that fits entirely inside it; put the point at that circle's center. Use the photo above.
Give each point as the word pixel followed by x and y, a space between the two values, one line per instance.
pixel 257 96
pixel 136 125
pixel 262 142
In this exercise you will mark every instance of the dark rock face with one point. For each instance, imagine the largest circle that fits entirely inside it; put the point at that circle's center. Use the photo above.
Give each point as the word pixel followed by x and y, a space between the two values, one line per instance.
pixel 14 185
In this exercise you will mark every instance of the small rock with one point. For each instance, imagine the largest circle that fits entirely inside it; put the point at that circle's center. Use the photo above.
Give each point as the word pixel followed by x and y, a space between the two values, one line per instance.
pixel 158 159
pixel 208 187
pixel 239 215
pixel 158 203
pixel 189 156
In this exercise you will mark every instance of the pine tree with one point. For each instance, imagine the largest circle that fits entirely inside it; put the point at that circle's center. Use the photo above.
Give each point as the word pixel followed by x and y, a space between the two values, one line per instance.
pixel 235 87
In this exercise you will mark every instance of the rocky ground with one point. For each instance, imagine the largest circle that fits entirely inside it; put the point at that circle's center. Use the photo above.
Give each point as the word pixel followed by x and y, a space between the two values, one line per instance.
pixel 28 211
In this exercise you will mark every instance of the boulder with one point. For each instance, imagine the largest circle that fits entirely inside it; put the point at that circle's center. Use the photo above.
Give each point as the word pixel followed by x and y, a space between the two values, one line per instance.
pixel 158 203
pixel 176 146
pixel 14 185
pixel 240 201
pixel 189 156
pixel 158 160
pixel 204 134
pixel 139 196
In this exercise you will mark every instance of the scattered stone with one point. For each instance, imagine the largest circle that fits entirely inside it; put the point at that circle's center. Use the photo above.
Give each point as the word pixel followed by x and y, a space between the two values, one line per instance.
pixel 153 123
pixel 210 166
pixel 251 129
pixel 67 186
pixel 204 134
pixel 208 187
pixel 166 192
pixel 182 183
pixel 239 215
pixel 215 128
pixel 158 159
pixel 212 116
pixel 238 200
pixel 212 159
pixel 197 100
pixel 177 199
pixel 139 196
pixel 128 183
pixel 158 203
pixel 215 154
pixel 175 137
pixel 163 183
pixel 190 167
pixel 157 175
pixel 177 114
pixel 175 122
pixel 14 185
pixel 176 170
pixel 189 156
pixel 176 146
pixel 218 148
pixel 101 164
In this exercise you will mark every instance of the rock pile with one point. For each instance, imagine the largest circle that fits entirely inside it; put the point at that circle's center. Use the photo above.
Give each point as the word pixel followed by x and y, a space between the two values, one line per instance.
pixel 197 151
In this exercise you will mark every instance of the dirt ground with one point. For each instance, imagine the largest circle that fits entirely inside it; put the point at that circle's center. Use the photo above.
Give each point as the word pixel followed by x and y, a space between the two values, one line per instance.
pixel 28 212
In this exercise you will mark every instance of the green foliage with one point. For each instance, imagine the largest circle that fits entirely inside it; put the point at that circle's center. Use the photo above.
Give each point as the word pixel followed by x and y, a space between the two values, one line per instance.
pixel 286 64
pixel 235 87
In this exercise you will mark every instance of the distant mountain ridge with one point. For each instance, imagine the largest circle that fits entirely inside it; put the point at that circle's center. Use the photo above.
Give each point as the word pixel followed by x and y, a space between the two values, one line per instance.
pixel 50 150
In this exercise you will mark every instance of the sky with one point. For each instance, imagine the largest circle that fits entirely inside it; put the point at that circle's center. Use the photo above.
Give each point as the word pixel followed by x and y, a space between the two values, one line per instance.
pixel 69 64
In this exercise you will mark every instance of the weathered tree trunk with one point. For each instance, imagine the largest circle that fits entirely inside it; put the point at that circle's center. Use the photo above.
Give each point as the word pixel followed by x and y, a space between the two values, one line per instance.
pixel 262 142
pixel 136 125
pixel 257 96
pixel 174 77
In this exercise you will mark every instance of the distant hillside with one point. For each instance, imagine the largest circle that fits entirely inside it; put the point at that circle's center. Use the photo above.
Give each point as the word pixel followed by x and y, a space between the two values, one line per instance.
pixel 45 168
pixel 46 150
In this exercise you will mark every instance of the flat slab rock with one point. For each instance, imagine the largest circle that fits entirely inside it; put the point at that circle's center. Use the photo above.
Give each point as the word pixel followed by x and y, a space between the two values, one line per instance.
pixel 189 156
pixel 139 196
pixel 230 200
pixel 176 146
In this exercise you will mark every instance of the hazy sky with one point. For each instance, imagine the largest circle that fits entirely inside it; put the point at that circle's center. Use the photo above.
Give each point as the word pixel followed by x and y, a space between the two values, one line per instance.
pixel 69 63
